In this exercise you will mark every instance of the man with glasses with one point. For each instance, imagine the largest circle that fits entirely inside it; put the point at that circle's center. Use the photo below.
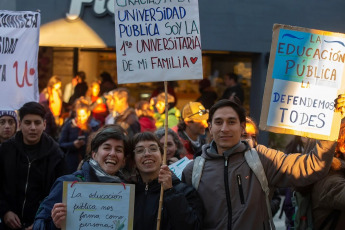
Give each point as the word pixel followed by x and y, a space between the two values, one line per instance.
pixel 8 125
pixel 191 129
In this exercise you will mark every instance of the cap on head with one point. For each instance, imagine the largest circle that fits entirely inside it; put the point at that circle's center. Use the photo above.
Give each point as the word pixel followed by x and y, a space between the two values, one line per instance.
pixel 194 111
pixel 10 113
pixel 161 97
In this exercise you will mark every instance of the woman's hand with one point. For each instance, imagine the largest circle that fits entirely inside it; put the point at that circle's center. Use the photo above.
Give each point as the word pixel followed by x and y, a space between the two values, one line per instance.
pixel 164 177
pixel 79 143
pixel 340 105
pixel 59 213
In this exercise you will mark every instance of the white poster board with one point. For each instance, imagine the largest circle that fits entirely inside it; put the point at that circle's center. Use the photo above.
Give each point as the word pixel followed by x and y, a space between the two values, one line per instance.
pixel 157 40
pixel 305 75
pixel 178 166
pixel 99 206
pixel 19 38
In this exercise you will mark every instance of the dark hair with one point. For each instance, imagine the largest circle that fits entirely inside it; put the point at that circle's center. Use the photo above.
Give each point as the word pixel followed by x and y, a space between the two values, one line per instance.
pixel 241 112
pixel 232 76
pixel 105 133
pixel 82 75
pixel 32 108
pixel 340 141
pixel 180 148
pixel 144 136
pixel 106 76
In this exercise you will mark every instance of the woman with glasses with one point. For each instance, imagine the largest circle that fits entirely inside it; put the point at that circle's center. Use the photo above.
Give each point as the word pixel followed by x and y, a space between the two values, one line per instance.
pixel 182 207
pixel 109 147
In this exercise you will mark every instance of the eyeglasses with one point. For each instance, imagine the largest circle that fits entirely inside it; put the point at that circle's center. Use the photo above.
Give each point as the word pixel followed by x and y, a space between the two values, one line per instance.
pixel 142 150
pixel 200 112
pixel 9 121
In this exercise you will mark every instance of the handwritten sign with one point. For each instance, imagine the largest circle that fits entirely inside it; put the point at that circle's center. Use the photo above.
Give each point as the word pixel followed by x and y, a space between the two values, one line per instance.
pixel 19 35
pixel 157 40
pixel 305 75
pixel 178 166
pixel 99 206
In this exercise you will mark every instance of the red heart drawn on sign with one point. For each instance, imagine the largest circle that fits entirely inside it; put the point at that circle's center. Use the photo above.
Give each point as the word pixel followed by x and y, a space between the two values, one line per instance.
pixel 193 60
pixel 32 71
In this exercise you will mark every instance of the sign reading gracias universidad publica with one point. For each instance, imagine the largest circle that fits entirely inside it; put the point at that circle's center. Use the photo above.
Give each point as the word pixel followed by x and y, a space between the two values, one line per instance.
pixel 19 35
pixel 305 75
pixel 98 205
pixel 157 40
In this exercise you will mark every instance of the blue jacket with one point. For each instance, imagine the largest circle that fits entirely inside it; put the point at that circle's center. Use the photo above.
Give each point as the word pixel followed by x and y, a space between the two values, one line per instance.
pixel 43 220
pixel 68 135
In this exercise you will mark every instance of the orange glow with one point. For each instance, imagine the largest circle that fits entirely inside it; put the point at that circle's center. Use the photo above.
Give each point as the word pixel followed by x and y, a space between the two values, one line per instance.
pixel 250 129
pixel 95 90
pixel 82 116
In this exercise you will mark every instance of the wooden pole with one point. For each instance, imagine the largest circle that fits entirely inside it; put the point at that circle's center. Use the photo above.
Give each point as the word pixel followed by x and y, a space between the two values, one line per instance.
pixel 165 153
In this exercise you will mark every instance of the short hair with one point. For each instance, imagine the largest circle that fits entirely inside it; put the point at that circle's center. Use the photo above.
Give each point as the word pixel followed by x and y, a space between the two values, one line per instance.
pixel 144 136
pixel 232 76
pixel 106 76
pixel 105 133
pixel 180 148
pixel 241 112
pixel 121 93
pixel 82 75
pixel 81 103
pixel 32 108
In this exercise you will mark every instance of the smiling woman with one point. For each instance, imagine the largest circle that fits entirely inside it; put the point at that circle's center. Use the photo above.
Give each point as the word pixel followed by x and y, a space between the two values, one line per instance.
pixel 107 156
pixel 182 208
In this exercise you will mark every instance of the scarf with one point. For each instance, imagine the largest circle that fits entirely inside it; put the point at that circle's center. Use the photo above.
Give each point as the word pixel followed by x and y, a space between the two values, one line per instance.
pixel 103 176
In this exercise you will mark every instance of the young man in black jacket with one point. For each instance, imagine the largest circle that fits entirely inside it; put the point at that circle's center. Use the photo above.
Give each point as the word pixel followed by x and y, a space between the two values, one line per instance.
pixel 30 162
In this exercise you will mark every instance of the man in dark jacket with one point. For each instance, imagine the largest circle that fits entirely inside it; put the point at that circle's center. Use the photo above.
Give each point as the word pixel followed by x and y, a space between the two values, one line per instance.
pixel 30 162
pixel 233 89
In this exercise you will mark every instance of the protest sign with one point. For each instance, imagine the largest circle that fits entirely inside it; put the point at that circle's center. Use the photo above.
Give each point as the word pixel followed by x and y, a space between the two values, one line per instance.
pixel 19 35
pixel 304 77
pixel 98 205
pixel 178 166
pixel 157 40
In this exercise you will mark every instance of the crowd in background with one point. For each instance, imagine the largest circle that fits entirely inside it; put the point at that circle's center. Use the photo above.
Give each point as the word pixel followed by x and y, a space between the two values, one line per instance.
pixel 92 132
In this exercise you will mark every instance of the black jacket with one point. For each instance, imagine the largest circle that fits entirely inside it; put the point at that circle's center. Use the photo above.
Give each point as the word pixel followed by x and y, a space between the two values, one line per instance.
pixel 25 183
pixel 182 207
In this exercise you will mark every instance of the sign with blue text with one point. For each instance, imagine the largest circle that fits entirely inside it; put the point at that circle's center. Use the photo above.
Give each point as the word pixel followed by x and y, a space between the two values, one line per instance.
pixel 98 205
pixel 19 35
pixel 157 40
pixel 178 166
pixel 304 77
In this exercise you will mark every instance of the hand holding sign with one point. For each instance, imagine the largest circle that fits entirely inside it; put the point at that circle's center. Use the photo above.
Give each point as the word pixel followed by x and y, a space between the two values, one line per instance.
pixel 165 177
pixel 59 213
pixel 340 105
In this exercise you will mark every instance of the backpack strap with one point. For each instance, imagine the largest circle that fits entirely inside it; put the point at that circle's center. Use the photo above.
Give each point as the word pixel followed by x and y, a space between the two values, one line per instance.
pixel 198 166
pixel 255 164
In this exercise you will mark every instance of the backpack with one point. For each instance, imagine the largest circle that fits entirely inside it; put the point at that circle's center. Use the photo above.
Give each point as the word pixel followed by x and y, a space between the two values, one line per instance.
pixel 303 218
pixel 255 165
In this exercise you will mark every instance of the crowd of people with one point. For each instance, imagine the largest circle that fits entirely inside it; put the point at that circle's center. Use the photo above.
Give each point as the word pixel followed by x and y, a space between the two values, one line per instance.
pixel 104 139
